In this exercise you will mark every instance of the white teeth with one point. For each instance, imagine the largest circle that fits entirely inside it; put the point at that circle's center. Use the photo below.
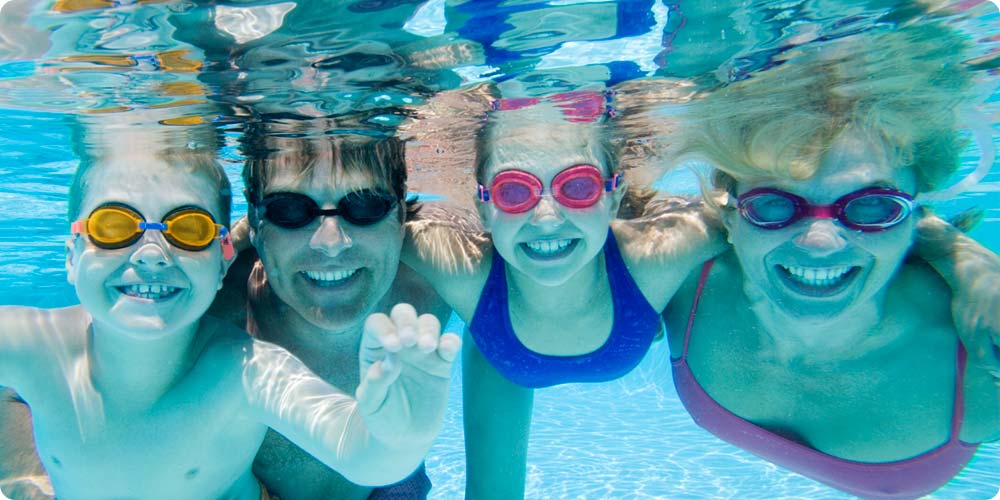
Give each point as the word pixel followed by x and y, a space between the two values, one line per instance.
pixel 817 276
pixel 330 276
pixel 154 292
pixel 548 247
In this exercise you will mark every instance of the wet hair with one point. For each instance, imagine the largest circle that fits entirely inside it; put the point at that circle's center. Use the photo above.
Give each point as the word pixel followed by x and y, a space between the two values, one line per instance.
pixel 900 88
pixel 597 135
pixel 268 153
pixel 594 135
pixel 192 150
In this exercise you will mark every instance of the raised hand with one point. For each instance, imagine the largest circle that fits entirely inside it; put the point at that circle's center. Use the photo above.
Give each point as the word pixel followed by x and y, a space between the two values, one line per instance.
pixel 973 273
pixel 405 370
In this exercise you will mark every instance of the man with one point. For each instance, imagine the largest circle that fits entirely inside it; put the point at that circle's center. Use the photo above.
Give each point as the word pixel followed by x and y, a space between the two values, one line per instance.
pixel 325 221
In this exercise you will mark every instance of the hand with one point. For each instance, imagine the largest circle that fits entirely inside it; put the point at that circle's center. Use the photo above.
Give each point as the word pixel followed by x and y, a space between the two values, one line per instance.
pixel 405 370
pixel 975 309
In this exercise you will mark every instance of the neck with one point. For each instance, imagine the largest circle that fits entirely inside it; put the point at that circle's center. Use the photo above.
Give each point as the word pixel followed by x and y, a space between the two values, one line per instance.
pixel 134 371
pixel 331 354
pixel 586 286
pixel 847 335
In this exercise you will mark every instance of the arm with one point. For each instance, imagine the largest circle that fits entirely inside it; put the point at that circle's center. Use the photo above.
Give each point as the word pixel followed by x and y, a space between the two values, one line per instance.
pixel 973 273
pixel 22 476
pixel 451 250
pixel 674 235
pixel 381 436
pixel 446 241
pixel 497 417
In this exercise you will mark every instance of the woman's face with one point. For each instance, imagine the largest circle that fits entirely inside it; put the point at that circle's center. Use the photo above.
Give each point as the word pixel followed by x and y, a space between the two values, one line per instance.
pixel 550 242
pixel 816 267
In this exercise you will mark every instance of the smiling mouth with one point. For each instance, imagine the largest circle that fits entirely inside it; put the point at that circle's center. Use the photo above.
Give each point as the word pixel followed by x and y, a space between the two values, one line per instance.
pixel 149 292
pixel 818 281
pixel 549 249
pixel 327 279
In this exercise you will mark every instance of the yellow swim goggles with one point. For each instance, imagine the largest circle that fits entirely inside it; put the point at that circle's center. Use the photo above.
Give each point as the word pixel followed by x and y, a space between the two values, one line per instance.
pixel 116 225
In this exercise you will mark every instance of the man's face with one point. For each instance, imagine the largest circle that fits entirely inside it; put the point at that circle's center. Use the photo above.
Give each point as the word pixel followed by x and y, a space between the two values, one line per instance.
pixel 331 272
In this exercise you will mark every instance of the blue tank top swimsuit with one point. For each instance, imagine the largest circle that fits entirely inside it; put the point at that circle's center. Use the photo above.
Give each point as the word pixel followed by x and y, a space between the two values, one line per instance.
pixel 635 325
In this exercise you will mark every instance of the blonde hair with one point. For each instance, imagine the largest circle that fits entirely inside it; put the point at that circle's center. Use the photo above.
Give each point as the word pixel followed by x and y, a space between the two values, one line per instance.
pixel 192 149
pixel 900 87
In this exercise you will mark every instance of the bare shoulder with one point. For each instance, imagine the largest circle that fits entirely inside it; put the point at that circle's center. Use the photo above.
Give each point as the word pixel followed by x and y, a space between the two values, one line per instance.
pixel 448 238
pixel 670 227
pixel 27 324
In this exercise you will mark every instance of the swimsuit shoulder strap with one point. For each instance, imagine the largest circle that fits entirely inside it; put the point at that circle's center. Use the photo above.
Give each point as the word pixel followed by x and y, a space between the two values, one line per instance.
pixel 705 268
pixel 958 410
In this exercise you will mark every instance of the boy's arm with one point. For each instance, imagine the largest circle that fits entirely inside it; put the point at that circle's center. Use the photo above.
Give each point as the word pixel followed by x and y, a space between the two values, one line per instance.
pixel 384 434
pixel 22 476
pixel 497 418
pixel 973 273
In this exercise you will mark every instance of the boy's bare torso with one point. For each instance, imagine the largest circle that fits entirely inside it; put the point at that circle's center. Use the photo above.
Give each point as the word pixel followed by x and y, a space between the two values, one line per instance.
pixel 98 442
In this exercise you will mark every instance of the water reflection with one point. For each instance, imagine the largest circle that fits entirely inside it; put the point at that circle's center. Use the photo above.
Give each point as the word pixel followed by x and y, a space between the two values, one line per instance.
pixel 429 72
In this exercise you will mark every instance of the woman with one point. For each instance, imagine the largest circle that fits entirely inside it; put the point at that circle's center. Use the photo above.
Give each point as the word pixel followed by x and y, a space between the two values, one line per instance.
pixel 814 343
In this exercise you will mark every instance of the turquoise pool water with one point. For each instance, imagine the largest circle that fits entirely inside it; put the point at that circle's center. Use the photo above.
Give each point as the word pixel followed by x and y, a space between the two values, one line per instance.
pixel 626 439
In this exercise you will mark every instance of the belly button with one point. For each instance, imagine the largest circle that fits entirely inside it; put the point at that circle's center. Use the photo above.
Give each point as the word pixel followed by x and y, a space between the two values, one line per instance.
pixel 191 474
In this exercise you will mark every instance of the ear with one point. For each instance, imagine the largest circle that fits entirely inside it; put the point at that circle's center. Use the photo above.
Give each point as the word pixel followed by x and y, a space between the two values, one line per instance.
pixel 485 213
pixel 728 215
pixel 71 260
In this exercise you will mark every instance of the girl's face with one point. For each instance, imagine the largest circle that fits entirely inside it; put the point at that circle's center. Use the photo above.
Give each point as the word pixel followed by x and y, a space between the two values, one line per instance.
pixel 549 242
pixel 817 267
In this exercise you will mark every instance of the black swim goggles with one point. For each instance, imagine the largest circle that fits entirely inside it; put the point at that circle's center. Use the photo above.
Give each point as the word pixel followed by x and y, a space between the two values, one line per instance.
pixel 294 210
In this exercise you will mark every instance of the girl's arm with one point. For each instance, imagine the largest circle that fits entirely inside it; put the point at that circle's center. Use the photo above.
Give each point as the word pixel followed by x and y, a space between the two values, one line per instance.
pixel 973 273
pixel 450 249
pixel 381 436
pixel 497 417
pixel 674 234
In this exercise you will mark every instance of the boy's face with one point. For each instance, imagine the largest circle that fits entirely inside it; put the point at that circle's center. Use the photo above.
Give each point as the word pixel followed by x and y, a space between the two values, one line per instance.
pixel 150 287
pixel 331 272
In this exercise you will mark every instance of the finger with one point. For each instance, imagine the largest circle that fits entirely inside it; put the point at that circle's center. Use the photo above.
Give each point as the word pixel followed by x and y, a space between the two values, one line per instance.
pixel 405 318
pixel 374 386
pixel 449 346
pixel 380 331
pixel 429 330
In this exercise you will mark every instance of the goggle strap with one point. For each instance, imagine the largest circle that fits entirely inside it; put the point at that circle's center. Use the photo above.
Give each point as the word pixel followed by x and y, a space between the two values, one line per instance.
pixel 159 226
pixel 78 227
pixel 228 251
pixel 612 183
pixel 484 194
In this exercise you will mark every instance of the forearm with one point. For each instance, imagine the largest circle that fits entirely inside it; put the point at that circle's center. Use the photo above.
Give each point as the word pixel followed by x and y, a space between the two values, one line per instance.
pixel 21 473
pixel 324 421
pixel 497 419
pixel 958 258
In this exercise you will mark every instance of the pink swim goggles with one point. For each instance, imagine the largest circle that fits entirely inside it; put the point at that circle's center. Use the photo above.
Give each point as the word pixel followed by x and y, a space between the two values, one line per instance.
pixel 517 191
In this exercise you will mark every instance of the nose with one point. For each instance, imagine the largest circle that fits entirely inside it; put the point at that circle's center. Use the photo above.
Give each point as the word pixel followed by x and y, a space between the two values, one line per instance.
pixel 330 237
pixel 546 212
pixel 152 252
pixel 822 237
